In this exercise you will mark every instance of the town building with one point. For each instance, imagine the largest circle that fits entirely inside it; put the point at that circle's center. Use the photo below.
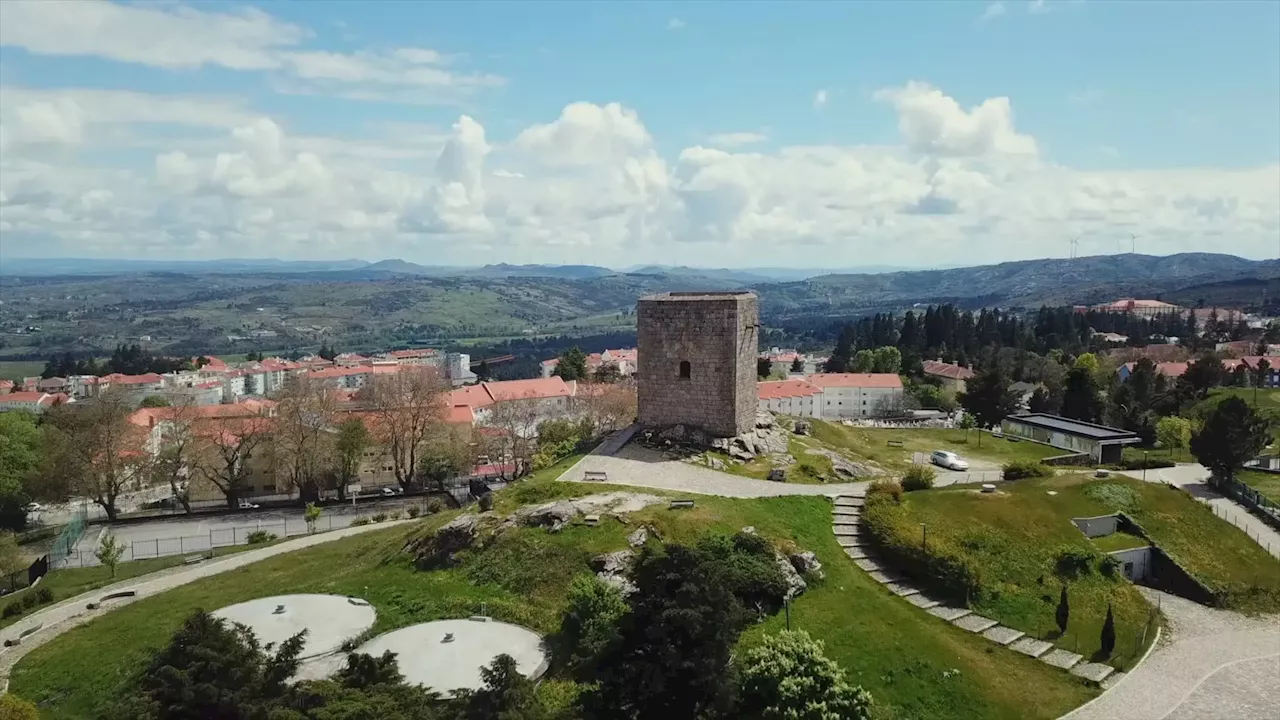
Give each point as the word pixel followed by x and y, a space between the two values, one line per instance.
pixel 782 362
pixel 1104 444
pixel 1132 306
pixel 833 396
pixel 952 377
pixel 33 402
pixel 624 359
pixel 790 397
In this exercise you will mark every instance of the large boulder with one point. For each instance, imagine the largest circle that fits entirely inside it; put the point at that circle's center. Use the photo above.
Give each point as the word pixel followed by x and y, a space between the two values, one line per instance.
pixel 438 550
pixel 553 516
pixel 641 536
pixel 795 584
pixel 614 568
pixel 806 563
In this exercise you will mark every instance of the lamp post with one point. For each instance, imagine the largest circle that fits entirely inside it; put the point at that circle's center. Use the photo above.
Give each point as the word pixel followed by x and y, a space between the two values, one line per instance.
pixel 924 537
pixel 1145 453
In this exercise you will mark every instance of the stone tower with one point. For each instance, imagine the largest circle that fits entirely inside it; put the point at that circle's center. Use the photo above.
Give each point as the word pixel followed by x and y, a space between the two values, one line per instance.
pixel 696 361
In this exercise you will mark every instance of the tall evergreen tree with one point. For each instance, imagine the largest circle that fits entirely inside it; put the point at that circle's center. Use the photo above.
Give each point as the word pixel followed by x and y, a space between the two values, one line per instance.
pixel 987 397
pixel 1233 434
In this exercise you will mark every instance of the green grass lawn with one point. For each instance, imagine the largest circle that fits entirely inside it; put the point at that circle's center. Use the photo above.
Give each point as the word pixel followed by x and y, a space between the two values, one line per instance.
pixel 873 444
pixel 1135 453
pixel 1264 399
pixel 893 649
pixel 18 369
pixel 1011 541
pixel 1119 541
pixel 70 582
pixel 1264 482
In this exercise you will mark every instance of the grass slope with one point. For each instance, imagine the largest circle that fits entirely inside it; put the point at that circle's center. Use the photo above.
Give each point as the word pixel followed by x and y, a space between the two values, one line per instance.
pixel 1264 482
pixel 873 444
pixel 896 651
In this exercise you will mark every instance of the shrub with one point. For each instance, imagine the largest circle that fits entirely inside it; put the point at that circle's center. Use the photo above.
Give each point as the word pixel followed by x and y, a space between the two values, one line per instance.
pixel 936 567
pixel 1109 566
pixel 886 488
pixel 414 511
pixel 435 505
pixel 1148 463
pixel 1072 562
pixel 750 569
pixel 486 502
pixel 1116 496
pixel 44 594
pixel 1020 469
pixel 589 624
pixel 918 477
pixel 360 521
pixel 13 609
pixel 378 517
pixel 257 537
pixel 13 707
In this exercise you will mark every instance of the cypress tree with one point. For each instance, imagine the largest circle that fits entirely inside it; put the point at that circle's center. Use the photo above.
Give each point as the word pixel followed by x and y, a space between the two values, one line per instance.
pixel 1064 610
pixel 1109 633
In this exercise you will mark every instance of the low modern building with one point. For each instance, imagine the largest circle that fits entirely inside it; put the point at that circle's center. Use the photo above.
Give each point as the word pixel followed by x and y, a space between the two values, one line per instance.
pixel 1104 444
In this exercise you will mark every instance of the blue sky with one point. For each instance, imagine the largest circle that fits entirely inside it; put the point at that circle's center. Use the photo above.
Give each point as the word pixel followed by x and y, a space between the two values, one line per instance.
pixel 1102 90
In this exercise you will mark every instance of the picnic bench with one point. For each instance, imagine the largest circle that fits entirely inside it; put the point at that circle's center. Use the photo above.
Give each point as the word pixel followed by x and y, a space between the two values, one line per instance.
pixel 681 504
pixel 192 559
pixel 595 476
pixel 895 443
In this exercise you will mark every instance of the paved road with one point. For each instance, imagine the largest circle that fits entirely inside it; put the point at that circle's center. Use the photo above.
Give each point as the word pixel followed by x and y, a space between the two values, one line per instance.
pixel 1207 665
pixel 57 619
pixel 1191 477
pixel 677 476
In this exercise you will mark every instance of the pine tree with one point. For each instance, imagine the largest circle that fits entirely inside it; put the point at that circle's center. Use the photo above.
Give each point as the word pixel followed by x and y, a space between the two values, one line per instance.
pixel 1064 611
pixel 1108 638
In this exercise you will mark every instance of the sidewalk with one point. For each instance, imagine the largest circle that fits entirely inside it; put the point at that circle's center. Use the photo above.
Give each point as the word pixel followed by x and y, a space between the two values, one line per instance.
pixel 63 616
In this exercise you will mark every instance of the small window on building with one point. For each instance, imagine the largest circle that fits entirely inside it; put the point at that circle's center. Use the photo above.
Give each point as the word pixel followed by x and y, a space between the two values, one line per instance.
pixel 686 370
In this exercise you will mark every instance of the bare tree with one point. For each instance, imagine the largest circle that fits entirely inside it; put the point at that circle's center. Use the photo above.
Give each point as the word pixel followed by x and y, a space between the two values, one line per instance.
pixel 97 450
pixel 405 407
pixel 175 453
pixel 609 407
pixel 448 451
pixel 515 423
pixel 303 434
pixel 225 447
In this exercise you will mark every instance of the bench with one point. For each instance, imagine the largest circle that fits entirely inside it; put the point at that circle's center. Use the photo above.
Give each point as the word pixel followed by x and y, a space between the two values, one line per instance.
pixel 192 559
pixel 681 504
pixel 595 476
pixel 894 443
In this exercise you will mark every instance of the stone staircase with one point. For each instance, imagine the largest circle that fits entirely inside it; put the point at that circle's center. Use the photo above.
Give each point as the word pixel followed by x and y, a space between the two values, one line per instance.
pixel 846 522
pixel 614 442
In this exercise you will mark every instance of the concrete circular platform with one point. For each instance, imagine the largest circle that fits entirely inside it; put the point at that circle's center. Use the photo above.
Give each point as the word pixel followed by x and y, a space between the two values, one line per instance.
pixel 328 619
pixel 427 659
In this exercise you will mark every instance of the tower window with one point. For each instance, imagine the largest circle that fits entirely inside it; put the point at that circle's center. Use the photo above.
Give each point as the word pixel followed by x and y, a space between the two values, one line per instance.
pixel 686 371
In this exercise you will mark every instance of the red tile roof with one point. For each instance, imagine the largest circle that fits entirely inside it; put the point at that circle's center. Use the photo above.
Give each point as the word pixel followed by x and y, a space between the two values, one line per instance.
pixel 947 370
pixel 864 380
pixel 521 389
pixel 25 397
pixel 144 379
pixel 775 389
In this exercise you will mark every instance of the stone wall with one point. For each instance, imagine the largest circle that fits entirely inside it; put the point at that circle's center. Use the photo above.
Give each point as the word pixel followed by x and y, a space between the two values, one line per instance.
pixel 717 334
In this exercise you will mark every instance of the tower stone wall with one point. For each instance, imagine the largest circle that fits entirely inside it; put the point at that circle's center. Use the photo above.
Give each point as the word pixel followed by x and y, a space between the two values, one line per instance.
pixel 696 361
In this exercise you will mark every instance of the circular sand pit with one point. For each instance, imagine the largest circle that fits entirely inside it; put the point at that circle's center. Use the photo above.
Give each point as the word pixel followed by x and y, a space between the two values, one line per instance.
pixel 447 655
pixel 328 619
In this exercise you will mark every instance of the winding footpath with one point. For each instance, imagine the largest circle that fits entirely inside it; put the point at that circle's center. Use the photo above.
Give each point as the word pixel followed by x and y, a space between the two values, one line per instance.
pixel 61 617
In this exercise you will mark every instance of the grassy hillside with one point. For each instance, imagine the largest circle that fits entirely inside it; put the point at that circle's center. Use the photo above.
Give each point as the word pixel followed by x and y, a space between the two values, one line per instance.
pixel 873 444
pixel 894 650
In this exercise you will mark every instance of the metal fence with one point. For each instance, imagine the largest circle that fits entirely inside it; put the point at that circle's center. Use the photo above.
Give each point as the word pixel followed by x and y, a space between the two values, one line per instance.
pixel 220 537
pixel 66 541
pixel 1260 504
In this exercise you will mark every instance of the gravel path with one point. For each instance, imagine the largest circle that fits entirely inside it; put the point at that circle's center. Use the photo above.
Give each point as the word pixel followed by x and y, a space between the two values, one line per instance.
pixel 61 617
pixel 677 476
pixel 1206 662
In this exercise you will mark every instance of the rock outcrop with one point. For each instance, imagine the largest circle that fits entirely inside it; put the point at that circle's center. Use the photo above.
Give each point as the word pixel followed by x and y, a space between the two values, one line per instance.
pixel 437 550
pixel 614 568
pixel 806 563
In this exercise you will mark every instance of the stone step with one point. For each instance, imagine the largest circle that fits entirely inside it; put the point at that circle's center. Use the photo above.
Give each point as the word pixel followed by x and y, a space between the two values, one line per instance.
pixel 844 524
pixel 901 589
pixel 850 541
pixel 850 501
pixel 1092 671
pixel 856 553
pixel 868 565
pixel 1002 635
pixel 974 623
pixel 846 512
pixel 922 601
pixel 948 613
pixel 1031 646
pixel 847 531
pixel 1060 658
pixel 881 576
pixel 1112 679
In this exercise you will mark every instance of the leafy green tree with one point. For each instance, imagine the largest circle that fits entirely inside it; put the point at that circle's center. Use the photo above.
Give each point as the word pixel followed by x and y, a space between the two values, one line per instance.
pixel 311 513
pixel 1233 434
pixel 797 365
pixel 1063 615
pixel 1087 361
pixel 11 560
pixel 672 653
pixel 1041 401
pixel 20 441
pixel 109 552
pixel 1108 639
pixel 572 365
pixel 349 447
pixel 863 362
pixel 589 624
pixel 987 397
pixel 1203 375
pixel 214 669
pixel 1080 397
pixel 842 357
pixel 154 401
pixel 506 695
pixel 887 359
pixel 483 371
pixel 1173 432
pixel 764 368
pixel 607 373
pixel 788 677
pixel 364 671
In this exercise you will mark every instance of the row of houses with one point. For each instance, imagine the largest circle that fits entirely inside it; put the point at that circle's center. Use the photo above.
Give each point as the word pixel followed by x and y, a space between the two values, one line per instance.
pixel 1270 379
pixel 624 359
pixel 833 396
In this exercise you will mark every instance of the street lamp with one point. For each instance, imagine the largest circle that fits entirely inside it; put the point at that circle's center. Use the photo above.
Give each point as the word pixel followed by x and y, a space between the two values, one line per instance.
pixel 1145 453
pixel 924 537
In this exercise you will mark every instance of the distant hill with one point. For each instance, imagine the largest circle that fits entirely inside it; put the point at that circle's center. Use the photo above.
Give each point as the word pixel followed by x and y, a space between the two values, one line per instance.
pixel 97 266
pixel 760 274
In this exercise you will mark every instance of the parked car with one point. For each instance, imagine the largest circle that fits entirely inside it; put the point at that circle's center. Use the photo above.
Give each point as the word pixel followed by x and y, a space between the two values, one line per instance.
pixel 34 507
pixel 247 505
pixel 388 491
pixel 949 460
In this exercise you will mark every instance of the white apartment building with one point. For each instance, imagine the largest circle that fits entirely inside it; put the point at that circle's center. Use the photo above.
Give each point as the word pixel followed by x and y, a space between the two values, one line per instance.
pixel 833 396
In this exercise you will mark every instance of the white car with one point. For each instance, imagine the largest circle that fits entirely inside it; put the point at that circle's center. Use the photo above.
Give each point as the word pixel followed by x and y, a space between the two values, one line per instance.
pixel 34 507
pixel 390 491
pixel 949 460
pixel 246 505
